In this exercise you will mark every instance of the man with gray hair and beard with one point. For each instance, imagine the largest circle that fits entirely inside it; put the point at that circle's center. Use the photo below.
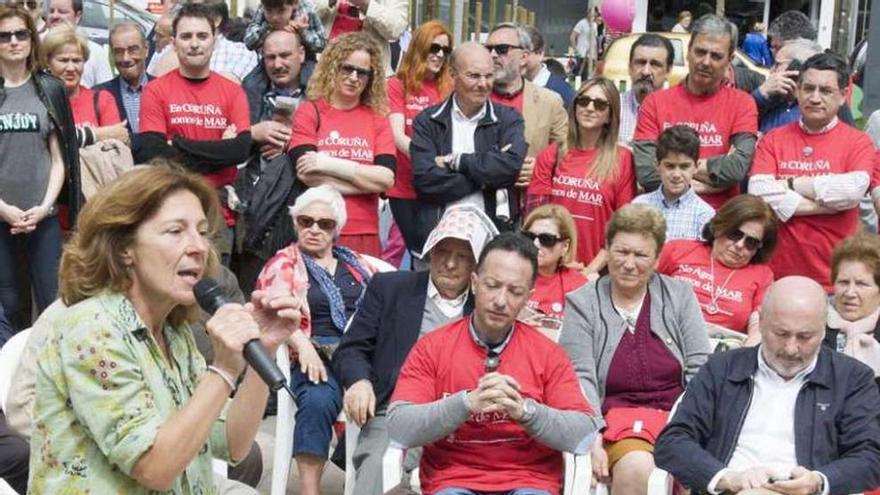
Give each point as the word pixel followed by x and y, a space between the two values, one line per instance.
pixel 650 60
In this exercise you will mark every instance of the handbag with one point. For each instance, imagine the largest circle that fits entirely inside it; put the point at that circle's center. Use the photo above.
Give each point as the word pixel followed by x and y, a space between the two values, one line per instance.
pixel 644 423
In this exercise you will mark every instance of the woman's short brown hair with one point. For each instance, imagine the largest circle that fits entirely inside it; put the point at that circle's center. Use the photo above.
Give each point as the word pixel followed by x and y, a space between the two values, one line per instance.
pixel 564 221
pixel 864 248
pixel 637 219
pixel 60 36
pixel 739 210
pixel 93 258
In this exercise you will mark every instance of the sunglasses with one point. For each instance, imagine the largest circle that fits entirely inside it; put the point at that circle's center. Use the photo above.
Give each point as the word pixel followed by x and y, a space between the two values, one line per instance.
pixel 325 224
pixel 347 70
pixel 440 50
pixel 493 361
pixel 20 35
pixel 502 48
pixel 546 240
pixel 751 243
pixel 584 101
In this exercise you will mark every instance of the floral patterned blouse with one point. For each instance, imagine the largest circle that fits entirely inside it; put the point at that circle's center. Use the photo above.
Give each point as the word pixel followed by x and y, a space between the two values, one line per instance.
pixel 103 391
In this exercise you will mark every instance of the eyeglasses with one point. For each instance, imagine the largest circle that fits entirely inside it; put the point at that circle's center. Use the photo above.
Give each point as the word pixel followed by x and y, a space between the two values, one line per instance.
pixel 20 35
pixel 584 101
pixel 546 240
pixel 325 224
pixel 493 361
pixel 347 70
pixel 440 50
pixel 502 48
pixel 751 243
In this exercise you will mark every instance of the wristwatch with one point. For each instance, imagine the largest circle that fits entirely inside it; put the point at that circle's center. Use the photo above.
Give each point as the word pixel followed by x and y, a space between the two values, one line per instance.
pixel 529 410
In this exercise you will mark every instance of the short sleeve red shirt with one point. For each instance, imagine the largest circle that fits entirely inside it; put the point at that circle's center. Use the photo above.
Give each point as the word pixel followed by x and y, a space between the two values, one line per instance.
pixel 805 242
pixel 358 134
pixel 740 291
pixel 410 105
pixel 590 202
pixel 83 107
pixel 489 452
pixel 716 118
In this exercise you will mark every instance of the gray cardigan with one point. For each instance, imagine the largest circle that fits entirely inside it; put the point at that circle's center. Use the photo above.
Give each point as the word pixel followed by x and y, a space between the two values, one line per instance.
pixel 592 329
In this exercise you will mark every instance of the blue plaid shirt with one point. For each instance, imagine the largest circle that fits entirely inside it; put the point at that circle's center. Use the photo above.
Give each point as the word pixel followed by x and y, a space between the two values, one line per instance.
pixel 131 101
pixel 629 115
pixel 685 216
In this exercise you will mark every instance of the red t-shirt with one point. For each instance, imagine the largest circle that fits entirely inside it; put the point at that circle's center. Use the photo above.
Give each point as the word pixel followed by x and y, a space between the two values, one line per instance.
pixel 590 202
pixel 83 107
pixel 716 118
pixel 742 293
pixel 489 452
pixel 200 110
pixel 550 290
pixel 410 105
pixel 513 101
pixel 358 134
pixel 805 242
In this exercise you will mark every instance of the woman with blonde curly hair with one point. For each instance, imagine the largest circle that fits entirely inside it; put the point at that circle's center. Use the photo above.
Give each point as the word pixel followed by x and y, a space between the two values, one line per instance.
pixel 342 137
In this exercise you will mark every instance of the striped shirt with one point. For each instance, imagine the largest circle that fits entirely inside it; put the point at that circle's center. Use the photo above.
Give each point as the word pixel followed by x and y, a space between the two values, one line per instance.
pixel 685 217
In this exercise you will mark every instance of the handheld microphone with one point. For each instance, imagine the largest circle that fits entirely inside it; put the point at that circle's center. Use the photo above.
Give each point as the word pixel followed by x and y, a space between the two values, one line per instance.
pixel 210 297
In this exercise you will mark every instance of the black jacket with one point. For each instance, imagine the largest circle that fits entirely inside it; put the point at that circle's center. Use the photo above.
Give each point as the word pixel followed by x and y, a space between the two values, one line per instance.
pixel 112 86
pixel 51 92
pixel 500 147
pixel 383 330
pixel 837 421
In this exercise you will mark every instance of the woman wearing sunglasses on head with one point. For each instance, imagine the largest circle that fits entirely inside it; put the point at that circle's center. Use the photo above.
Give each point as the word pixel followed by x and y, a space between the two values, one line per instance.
pixel 422 80
pixel 552 229
pixel 38 159
pixel 341 137
pixel 331 279
pixel 589 173
pixel 727 269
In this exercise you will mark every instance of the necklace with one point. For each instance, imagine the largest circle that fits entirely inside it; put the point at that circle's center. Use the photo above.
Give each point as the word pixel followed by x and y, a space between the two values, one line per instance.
pixel 715 293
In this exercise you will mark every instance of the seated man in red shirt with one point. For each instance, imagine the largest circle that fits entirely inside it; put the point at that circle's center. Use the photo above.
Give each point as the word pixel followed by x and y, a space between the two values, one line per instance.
pixel 813 173
pixel 491 399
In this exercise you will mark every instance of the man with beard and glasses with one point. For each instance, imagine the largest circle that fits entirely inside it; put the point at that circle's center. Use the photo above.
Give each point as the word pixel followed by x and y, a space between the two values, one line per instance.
pixel 725 118
pixel 128 45
pixel 824 436
pixel 650 60
pixel 542 110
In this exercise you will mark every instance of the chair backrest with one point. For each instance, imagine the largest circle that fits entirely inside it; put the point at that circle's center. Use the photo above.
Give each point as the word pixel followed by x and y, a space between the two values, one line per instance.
pixel 10 355
pixel 381 265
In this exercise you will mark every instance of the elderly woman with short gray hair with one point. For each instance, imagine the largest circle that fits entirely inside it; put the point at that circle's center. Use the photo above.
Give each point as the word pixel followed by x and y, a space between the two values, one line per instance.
pixel 331 279
pixel 635 338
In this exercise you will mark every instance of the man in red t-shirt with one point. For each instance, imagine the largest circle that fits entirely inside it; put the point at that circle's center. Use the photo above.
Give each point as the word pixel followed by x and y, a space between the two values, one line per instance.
pixel 725 118
pixel 492 400
pixel 194 115
pixel 813 173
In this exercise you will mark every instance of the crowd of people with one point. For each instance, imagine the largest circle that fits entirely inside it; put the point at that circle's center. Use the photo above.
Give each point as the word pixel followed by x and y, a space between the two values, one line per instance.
pixel 668 277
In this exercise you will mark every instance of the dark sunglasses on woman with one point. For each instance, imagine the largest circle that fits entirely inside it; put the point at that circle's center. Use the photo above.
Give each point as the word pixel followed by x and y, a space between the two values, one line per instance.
pixel 440 50
pixel 325 224
pixel 546 240
pixel 751 243
pixel 20 35
pixel 347 70
pixel 584 101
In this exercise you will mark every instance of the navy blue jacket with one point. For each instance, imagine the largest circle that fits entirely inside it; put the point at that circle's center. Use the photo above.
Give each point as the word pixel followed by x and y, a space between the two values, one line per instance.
pixel 558 84
pixel 499 150
pixel 113 87
pixel 836 428
pixel 383 330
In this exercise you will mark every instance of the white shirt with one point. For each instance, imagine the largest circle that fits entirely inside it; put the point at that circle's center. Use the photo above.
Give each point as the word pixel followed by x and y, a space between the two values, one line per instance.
pixel 583 29
pixel 768 443
pixel 463 129
pixel 97 68
pixel 542 77
pixel 451 308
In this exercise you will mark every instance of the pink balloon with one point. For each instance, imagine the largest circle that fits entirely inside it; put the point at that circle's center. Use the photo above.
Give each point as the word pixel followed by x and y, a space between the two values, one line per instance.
pixel 618 14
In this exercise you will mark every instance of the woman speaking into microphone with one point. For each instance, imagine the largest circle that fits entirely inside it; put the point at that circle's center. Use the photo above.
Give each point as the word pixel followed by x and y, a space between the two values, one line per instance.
pixel 124 401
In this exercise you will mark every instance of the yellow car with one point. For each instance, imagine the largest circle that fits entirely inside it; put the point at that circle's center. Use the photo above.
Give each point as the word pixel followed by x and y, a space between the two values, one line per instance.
pixel 615 63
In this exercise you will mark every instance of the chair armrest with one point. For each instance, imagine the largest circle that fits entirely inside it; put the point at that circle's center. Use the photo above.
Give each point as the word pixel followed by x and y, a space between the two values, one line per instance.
pixel 392 471
pixel 659 482
pixel 578 473
pixel 283 428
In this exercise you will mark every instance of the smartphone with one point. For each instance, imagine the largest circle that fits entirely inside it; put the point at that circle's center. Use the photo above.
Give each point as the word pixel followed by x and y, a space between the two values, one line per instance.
pixel 283 109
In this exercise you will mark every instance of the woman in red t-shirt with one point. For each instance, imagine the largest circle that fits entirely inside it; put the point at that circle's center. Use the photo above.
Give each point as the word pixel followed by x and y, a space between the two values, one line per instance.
pixel 590 175
pixel 552 229
pixel 64 52
pixel 728 270
pixel 422 81
pixel 342 137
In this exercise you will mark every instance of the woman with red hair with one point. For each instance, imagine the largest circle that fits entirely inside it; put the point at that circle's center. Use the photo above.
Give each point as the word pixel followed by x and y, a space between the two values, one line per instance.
pixel 422 80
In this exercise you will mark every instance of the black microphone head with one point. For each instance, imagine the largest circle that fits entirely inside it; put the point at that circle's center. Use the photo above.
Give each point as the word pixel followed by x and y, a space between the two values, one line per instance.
pixel 209 295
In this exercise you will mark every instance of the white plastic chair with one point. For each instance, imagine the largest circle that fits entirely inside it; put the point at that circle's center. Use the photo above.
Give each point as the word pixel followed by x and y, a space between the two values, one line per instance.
pixel 10 355
pixel 283 453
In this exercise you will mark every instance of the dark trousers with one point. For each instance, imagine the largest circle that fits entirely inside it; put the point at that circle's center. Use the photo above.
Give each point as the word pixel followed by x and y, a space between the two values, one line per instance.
pixel 41 250
pixel 14 455
pixel 405 213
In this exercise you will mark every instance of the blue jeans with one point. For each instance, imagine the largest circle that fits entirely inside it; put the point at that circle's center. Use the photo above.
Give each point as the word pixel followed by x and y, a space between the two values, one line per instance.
pixel 317 407
pixel 42 252
pixel 515 491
